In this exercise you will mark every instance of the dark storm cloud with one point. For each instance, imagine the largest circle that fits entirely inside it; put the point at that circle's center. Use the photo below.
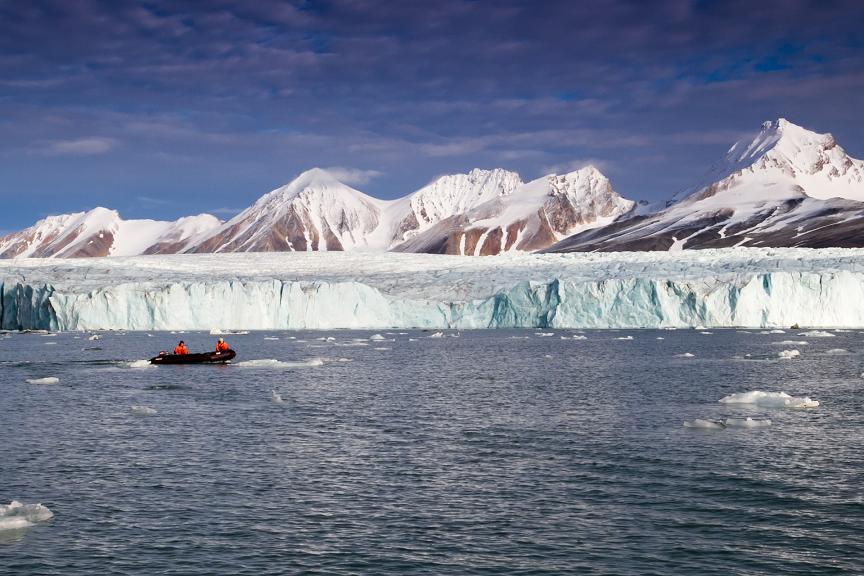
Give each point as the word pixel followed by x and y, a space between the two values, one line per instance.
pixel 103 102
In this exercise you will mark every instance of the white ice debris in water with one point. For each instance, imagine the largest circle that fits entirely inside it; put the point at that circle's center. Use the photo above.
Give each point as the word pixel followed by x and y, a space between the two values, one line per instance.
pixel 788 354
pixel 660 338
pixel 817 334
pixel 770 399
pixel 140 410
pixel 381 348
pixel 47 380
pixel 791 343
pixel 271 338
pixel 377 337
pixel 624 338
pixel 747 422
pixel 704 424
pixel 707 333
pixel 544 334
pixel 837 351
pixel 776 331
pixel 579 337
pixel 94 337
pixel 273 363
pixel 141 364
pixel 437 335
pixel 15 515
pixel 685 355
pixel 276 398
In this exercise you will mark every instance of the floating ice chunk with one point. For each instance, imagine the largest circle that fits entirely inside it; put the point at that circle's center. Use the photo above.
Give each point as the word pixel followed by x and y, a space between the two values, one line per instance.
pixel 140 410
pixel 776 332
pixel 747 422
pixel 50 343
pixel 837 351
pixel 547 356
pixel 788 354
pixel 707 333
pixel 381 348
pixel 770 399
pixel 94 337
pixel 579 337
pixel 660 338
pixel 791 343
pixel 817 334
pixel 273 363
pixel 377 337
pixel 15 515
pixel 47 380
pixel 436 335
pixel 700 327
pixel 701 424
pixel 271 338
pixel 344 360
pixel 276 398
pixel 685 355
pixel 624 338
pixel 140 364
pixel 544 334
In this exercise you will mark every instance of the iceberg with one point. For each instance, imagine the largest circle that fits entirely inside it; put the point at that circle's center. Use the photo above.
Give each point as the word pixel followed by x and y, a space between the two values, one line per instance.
pixel 742 287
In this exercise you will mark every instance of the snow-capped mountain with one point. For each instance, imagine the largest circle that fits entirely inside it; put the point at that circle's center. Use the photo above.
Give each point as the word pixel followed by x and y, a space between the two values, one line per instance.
pixel 315 211
pixel 788 186
pixel 532 217
pixel 101 232
pixel 448 196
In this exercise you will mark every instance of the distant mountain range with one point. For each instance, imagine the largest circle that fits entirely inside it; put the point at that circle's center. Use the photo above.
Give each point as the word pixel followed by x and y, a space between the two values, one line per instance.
pixel 786 187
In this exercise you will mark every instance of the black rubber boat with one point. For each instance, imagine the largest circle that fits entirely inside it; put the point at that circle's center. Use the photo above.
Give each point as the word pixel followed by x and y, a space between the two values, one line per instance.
pixel 203 358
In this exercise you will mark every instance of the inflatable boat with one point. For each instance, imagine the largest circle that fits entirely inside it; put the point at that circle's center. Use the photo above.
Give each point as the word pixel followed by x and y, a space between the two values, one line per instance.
pixel 202 358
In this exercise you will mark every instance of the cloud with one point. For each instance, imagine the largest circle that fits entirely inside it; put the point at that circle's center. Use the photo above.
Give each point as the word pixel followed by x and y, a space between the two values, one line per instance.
pixel 352 176
pixel 79 147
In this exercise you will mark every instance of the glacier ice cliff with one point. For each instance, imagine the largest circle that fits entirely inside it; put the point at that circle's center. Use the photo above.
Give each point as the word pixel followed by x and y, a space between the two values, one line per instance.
pixel 750 287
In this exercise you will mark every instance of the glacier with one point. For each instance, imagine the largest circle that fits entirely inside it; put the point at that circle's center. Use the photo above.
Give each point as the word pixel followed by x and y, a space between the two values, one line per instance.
pixel 740 287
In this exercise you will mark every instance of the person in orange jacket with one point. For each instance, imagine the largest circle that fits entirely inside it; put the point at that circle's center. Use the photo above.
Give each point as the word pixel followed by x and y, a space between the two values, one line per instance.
pixel 181 348
pixel 221 346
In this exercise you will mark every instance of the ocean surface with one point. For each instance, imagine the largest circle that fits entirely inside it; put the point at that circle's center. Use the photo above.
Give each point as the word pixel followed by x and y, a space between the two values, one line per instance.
pixel 488 452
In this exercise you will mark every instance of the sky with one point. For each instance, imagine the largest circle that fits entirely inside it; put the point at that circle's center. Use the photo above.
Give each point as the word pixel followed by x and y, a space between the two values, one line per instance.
pixel 162 109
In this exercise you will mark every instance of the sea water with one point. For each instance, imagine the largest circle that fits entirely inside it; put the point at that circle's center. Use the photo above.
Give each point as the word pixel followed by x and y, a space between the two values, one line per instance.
pixel 487 452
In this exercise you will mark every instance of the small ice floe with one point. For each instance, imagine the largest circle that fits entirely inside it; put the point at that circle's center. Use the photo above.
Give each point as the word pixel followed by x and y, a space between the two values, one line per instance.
pixel 788 354
pixel 706 333
pixel 701 424
pixel 140 364
pixel 412 339
pixel 544 334
pixel 837 351
pixel 50 343
pixel 685 355
pixel 776 331
pixel 624 338
pixel 660 338
pixel 15 515
pixel 46 380
pixel 94 337
pixel 579 337
pixel 276 398
pixel 344 360
pixel 547 356
pixel 747 422
pixel 141 410
pixel 790 343
pixel 817 334
pixel 436 335
pixel 700 327
pixel 273 363
pixel 381 348
pixel 770 399
pixel 271 338
pixel 377 337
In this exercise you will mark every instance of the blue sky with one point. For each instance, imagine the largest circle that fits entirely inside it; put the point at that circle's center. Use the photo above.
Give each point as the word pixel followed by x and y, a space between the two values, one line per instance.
pixel 162 109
